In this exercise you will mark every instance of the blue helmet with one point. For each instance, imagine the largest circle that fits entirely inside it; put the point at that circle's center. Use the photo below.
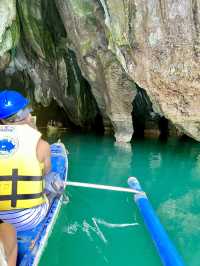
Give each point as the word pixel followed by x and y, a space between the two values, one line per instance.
pixel 11 102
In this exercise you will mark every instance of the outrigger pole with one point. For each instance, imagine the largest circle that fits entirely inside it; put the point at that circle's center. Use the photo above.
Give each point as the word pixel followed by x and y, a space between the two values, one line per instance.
pixel 166 250
pixel 103 187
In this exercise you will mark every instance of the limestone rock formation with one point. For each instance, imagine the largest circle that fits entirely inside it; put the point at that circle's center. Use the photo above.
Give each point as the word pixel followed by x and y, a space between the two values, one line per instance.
pixel 9 31
pixel 44 56
pixel 160 44
pixel 89 54
pixel 110 85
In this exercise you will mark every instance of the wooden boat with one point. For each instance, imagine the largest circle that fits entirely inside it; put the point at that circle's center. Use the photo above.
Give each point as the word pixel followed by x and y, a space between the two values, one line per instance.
pixel 32 243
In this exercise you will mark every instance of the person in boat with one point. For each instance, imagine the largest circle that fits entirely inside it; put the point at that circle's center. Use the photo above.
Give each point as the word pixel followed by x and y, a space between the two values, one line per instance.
pixel 8 245
pixel 24 164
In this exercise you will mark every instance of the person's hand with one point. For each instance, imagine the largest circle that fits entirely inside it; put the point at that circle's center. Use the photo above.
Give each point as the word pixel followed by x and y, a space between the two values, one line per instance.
pixel 54 184
pixel 58 186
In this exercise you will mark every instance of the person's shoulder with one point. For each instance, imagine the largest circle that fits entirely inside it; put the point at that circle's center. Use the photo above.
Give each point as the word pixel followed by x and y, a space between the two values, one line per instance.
pixel 27 127
pixel 43 149
pixel 30 127
pixel 43 143
pixel 44 154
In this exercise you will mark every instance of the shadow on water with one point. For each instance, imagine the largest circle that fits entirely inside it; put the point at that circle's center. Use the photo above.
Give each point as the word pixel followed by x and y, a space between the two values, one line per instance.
pixel 105 227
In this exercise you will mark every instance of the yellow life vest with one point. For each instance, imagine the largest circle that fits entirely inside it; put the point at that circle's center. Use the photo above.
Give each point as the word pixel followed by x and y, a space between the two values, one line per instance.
pixel 21 174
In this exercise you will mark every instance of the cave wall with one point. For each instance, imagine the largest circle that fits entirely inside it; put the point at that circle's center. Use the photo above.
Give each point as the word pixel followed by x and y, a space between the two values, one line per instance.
pixel 89 54
pixel 110 85
pixel 9 31
pixel 43 59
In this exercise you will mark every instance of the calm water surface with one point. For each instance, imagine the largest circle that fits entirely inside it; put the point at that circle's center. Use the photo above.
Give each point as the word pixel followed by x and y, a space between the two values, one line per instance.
pixel 98 228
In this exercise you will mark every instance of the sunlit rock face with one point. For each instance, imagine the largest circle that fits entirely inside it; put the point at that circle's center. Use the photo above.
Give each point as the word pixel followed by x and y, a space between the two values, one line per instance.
pixel 88 55
pixel 156 44
pixel 167 62
pixel 9 31
pixel 159 44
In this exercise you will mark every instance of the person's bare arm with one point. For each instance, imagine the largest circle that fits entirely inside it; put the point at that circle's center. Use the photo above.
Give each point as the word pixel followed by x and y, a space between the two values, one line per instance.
pixel 44 154
pixel 9 241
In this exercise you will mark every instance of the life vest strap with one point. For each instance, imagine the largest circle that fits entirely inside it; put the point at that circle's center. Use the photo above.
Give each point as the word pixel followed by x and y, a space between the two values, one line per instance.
pixel 14 196
pixel 21 196
pixel 14 187
pixel 21 178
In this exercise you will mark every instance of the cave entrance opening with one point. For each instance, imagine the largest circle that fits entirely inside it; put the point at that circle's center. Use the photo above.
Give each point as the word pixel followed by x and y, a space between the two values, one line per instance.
pixel 146 122
pixel 52 114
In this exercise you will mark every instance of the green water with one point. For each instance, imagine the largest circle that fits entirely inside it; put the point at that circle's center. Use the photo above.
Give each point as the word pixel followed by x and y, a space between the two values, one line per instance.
pixel 98 228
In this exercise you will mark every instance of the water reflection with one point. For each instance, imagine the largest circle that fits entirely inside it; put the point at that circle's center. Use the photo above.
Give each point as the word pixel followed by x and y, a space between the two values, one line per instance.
pixel 196 169
pixel 155 160
pixel 119 163
pixel 104 160
pixel 126 147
